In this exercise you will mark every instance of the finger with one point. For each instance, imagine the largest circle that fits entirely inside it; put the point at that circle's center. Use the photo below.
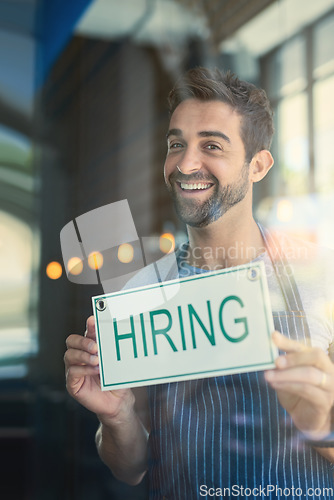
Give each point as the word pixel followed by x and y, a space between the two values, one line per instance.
pixel 78 357
pixel 313 357
pixel 76 375
pixel 90 328
pixel 308 385
pixel 76 372
pixel 312 394
pixel 288 345
pixel 82 343
pixel 307 375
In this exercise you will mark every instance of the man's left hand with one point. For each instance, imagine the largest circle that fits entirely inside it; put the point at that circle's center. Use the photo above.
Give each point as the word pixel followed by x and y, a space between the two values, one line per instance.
pixel 304 382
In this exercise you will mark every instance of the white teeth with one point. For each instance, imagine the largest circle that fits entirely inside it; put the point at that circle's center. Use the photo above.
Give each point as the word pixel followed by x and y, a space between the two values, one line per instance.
pixel 194 186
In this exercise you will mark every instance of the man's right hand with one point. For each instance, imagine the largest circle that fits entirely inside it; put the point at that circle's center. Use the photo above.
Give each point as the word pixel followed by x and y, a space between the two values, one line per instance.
pixel 83 379
pixel 121 438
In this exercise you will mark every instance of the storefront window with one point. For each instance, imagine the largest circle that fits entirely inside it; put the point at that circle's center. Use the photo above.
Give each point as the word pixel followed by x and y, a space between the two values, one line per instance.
pixel 18 254
pixel 293 143
pixel 324 134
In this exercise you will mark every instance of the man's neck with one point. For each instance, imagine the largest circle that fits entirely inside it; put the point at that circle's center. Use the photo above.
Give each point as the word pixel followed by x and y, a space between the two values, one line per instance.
pixel 225 243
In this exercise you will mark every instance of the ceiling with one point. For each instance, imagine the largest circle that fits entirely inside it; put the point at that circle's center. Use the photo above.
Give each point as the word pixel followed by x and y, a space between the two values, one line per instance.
pixel 255 26
pixel 164 21
pixel 34 32
pixel 275 24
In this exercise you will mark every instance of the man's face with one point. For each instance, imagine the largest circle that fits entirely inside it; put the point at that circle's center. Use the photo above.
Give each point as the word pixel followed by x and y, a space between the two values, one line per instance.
pixel 204 142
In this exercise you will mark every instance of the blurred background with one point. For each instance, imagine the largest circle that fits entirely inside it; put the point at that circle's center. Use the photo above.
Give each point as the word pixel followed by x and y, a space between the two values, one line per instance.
pixel 83 118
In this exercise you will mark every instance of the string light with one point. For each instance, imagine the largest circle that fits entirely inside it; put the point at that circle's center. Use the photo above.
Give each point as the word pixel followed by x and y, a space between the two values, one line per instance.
pixel 125 253
pixel 167 242
pixel 95 260
pixel 75 266
pixel 54 270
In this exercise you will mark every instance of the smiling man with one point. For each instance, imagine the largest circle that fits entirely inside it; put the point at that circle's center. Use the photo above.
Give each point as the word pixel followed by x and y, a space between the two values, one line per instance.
pixel 208 174
pixel 204 157
pixel 244 434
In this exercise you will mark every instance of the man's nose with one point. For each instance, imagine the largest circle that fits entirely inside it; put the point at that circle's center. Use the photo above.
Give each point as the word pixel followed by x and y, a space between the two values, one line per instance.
pixel 190 162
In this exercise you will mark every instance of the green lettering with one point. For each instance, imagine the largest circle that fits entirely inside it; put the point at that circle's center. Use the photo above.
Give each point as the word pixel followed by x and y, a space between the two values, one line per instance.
pixel 125 336
pixel 237 320
pixel 161 331
pixel 143 333
pixel 210 336
pixel 179 310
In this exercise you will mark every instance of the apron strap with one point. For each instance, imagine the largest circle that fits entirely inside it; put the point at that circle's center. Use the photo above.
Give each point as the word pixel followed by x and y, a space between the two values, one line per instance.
pixel 284 274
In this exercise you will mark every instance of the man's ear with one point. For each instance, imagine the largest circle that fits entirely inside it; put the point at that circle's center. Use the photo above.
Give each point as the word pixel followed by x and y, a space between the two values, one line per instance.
pixel 260 165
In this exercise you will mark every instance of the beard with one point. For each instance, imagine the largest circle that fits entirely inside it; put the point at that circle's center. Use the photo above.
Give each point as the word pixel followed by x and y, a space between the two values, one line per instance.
pixel 199 214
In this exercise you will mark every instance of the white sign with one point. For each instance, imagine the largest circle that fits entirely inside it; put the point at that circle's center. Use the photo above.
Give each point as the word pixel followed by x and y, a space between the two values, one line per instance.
pixel 205 325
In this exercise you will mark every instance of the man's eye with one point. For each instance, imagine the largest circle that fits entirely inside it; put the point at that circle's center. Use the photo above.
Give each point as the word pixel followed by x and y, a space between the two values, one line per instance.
pixel 212 146
pixel 175 145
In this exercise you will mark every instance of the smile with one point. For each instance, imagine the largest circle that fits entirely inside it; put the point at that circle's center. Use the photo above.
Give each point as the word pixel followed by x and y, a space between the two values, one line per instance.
pixel 194 186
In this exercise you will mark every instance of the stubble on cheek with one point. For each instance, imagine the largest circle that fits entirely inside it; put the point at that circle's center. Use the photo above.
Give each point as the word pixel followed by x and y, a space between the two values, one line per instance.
pixel 197 213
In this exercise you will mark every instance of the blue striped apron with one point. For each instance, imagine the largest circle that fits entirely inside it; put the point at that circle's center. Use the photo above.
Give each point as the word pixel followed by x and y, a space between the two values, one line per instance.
pixel 230 431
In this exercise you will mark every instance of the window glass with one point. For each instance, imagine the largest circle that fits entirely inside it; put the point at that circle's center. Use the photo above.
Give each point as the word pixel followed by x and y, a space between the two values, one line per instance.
pixel 18 253
pixel 16 261
pixel 324 134
pixel 323 47
pixel 287 69
pixel 293 144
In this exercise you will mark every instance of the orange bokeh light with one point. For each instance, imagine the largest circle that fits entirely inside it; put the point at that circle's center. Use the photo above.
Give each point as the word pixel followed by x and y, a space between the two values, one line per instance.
pixel 54 270
pixel 167 242
pixel 125 253
pixel 75 266
pixel 95 260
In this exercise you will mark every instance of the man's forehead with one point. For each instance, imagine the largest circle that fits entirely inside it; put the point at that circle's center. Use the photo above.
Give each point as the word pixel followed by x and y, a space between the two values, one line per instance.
pixel 200 106
pixel 203 117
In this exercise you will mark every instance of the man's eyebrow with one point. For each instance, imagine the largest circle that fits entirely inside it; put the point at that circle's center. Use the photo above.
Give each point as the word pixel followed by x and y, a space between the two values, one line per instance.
pixel 214 133
pixel 174 131
pixel 205 133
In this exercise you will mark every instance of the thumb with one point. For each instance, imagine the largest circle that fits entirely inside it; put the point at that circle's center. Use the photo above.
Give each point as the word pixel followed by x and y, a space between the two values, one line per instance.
pixel 90 328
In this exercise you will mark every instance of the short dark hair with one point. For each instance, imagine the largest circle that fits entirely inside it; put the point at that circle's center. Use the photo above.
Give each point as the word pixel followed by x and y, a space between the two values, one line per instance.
pixel 249 101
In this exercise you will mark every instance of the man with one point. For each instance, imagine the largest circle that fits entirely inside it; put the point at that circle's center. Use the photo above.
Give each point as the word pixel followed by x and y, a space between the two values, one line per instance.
pixel 215 436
